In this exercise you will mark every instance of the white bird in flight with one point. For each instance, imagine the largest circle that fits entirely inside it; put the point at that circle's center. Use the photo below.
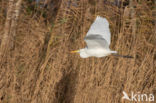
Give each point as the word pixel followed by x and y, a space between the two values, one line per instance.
pixel 98 40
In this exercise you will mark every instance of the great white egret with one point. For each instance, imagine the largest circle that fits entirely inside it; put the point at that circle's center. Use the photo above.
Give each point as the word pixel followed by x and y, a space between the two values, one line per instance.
pixel 98 40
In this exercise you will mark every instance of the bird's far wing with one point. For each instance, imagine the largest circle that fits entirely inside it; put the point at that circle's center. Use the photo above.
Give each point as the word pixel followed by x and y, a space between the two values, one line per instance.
pixel 96 41
pixel 101 27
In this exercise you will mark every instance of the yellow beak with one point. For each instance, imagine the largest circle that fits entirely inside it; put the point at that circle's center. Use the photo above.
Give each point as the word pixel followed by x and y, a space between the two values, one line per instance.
pixel 75 51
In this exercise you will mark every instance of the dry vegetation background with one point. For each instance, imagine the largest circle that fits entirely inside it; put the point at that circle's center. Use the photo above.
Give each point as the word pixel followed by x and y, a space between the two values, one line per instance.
pixel 35 43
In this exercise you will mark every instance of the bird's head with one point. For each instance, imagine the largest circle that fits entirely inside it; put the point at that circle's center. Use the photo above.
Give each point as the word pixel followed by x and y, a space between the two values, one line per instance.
pixel 82 53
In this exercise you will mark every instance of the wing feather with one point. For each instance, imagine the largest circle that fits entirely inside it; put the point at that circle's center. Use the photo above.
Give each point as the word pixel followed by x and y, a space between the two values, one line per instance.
pixel 100 27
pixel 96 41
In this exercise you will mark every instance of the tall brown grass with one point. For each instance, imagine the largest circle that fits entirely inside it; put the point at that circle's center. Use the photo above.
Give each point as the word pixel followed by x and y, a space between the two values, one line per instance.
pixel 40 68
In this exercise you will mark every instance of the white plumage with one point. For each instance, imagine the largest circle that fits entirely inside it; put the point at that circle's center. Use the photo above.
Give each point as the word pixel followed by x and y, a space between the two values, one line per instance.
pixel 98 39
pixel 100 27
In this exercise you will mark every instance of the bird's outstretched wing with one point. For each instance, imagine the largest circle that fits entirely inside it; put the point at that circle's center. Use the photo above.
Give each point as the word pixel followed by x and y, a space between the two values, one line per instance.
pixel 100 27
pixel 96 41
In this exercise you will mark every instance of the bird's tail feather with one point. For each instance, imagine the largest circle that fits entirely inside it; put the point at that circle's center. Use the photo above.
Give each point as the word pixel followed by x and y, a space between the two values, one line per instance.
pixel 124 56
